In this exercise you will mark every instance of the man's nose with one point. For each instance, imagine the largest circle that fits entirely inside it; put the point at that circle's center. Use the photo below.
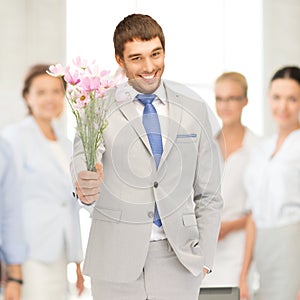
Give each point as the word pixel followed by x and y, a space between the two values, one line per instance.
pixel 148 65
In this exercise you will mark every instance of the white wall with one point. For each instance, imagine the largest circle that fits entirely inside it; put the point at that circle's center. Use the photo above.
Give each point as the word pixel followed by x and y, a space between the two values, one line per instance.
pixel 203 39
pixel 281 44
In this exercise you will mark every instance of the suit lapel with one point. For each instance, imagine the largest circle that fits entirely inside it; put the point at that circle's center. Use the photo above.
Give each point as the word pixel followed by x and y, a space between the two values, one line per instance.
pixel 174 119
pixel 129 111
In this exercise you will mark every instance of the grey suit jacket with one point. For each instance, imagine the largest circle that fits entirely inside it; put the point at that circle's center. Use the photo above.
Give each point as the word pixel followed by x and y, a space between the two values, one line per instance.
pixel 185 187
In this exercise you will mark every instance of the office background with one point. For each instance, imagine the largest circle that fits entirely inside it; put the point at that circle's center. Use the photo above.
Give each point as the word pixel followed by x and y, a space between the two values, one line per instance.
pixel 203 39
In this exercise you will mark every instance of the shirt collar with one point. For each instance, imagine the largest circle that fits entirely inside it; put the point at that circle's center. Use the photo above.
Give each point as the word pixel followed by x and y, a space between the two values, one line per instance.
pixel 126 92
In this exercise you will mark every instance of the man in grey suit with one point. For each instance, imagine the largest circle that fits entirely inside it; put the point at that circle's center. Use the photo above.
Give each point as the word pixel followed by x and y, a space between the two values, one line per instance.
pixel 157 205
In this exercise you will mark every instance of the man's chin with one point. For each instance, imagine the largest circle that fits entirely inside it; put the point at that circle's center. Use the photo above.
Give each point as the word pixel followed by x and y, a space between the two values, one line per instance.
pixel 145 86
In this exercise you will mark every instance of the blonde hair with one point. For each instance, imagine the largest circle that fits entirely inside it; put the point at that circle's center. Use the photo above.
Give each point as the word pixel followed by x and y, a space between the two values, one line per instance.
pixel 237 77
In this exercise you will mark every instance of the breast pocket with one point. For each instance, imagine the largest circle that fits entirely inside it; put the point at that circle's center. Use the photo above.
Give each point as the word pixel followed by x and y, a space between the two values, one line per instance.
pixel 186 138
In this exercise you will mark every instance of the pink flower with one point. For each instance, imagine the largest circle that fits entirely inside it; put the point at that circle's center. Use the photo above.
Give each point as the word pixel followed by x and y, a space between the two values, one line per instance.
pixel 106 84
pixel 119 76
pixel 104 73
pixel 87 87
pixel 90 83
pixel 56 70
pixel 72 78
pixel 82 101
pixel 80 62
pixel 95 71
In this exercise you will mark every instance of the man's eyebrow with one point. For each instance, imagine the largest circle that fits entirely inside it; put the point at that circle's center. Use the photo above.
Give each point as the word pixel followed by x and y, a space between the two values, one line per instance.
pixel 158 48
pixel 138 54
pixel 134 54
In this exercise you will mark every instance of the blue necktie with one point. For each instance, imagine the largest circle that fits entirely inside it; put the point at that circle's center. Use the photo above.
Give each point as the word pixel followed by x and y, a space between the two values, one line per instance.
pixel 152 127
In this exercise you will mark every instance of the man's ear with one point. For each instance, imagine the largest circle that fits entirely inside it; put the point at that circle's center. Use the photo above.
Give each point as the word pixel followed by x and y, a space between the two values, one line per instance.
pixel 119 61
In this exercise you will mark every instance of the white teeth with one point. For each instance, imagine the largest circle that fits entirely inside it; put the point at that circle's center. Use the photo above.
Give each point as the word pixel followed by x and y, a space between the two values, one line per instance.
pixel 148 76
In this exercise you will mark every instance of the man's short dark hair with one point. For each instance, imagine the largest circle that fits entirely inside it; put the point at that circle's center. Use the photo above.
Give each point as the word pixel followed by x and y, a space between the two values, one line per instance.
pixel 136 27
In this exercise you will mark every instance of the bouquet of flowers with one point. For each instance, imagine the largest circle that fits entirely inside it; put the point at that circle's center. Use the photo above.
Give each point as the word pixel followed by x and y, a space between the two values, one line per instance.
pixel 88 96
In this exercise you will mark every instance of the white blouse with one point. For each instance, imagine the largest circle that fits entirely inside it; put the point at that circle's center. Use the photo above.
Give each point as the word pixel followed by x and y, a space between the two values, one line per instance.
pixel 233 191
pixel 273 183
pixel 230 250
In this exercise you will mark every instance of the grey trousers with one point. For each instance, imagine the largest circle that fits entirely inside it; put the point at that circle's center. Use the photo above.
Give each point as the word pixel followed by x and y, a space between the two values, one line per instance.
pixel 163 278
pixel 277 256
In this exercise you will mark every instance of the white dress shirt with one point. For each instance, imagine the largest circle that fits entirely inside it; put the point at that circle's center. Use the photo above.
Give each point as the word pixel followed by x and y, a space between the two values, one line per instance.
pixel 273 183
pixel 161 106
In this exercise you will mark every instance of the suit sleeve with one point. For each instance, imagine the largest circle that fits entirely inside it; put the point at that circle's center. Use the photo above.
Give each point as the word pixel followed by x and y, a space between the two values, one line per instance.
pixel 207 187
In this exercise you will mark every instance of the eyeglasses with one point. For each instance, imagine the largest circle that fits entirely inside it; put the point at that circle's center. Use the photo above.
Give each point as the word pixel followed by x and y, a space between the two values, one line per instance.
pixel 230 99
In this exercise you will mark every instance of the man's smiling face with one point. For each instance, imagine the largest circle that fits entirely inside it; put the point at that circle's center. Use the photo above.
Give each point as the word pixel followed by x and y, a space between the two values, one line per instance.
pixel 143 63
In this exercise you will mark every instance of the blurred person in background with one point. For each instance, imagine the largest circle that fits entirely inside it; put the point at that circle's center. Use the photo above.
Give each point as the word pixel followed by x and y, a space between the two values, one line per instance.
pixel 12 244
pixel 236 238
pixel 51 216
pixel 273 189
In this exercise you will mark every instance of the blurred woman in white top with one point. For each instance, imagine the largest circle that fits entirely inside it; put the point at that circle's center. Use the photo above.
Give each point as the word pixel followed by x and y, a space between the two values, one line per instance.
pixel 232 261
pixel 50 214
pixel 273 184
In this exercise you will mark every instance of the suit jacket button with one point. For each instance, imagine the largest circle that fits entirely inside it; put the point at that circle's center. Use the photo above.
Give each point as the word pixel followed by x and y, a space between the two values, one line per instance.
pixel 150 214
pixel 155 184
